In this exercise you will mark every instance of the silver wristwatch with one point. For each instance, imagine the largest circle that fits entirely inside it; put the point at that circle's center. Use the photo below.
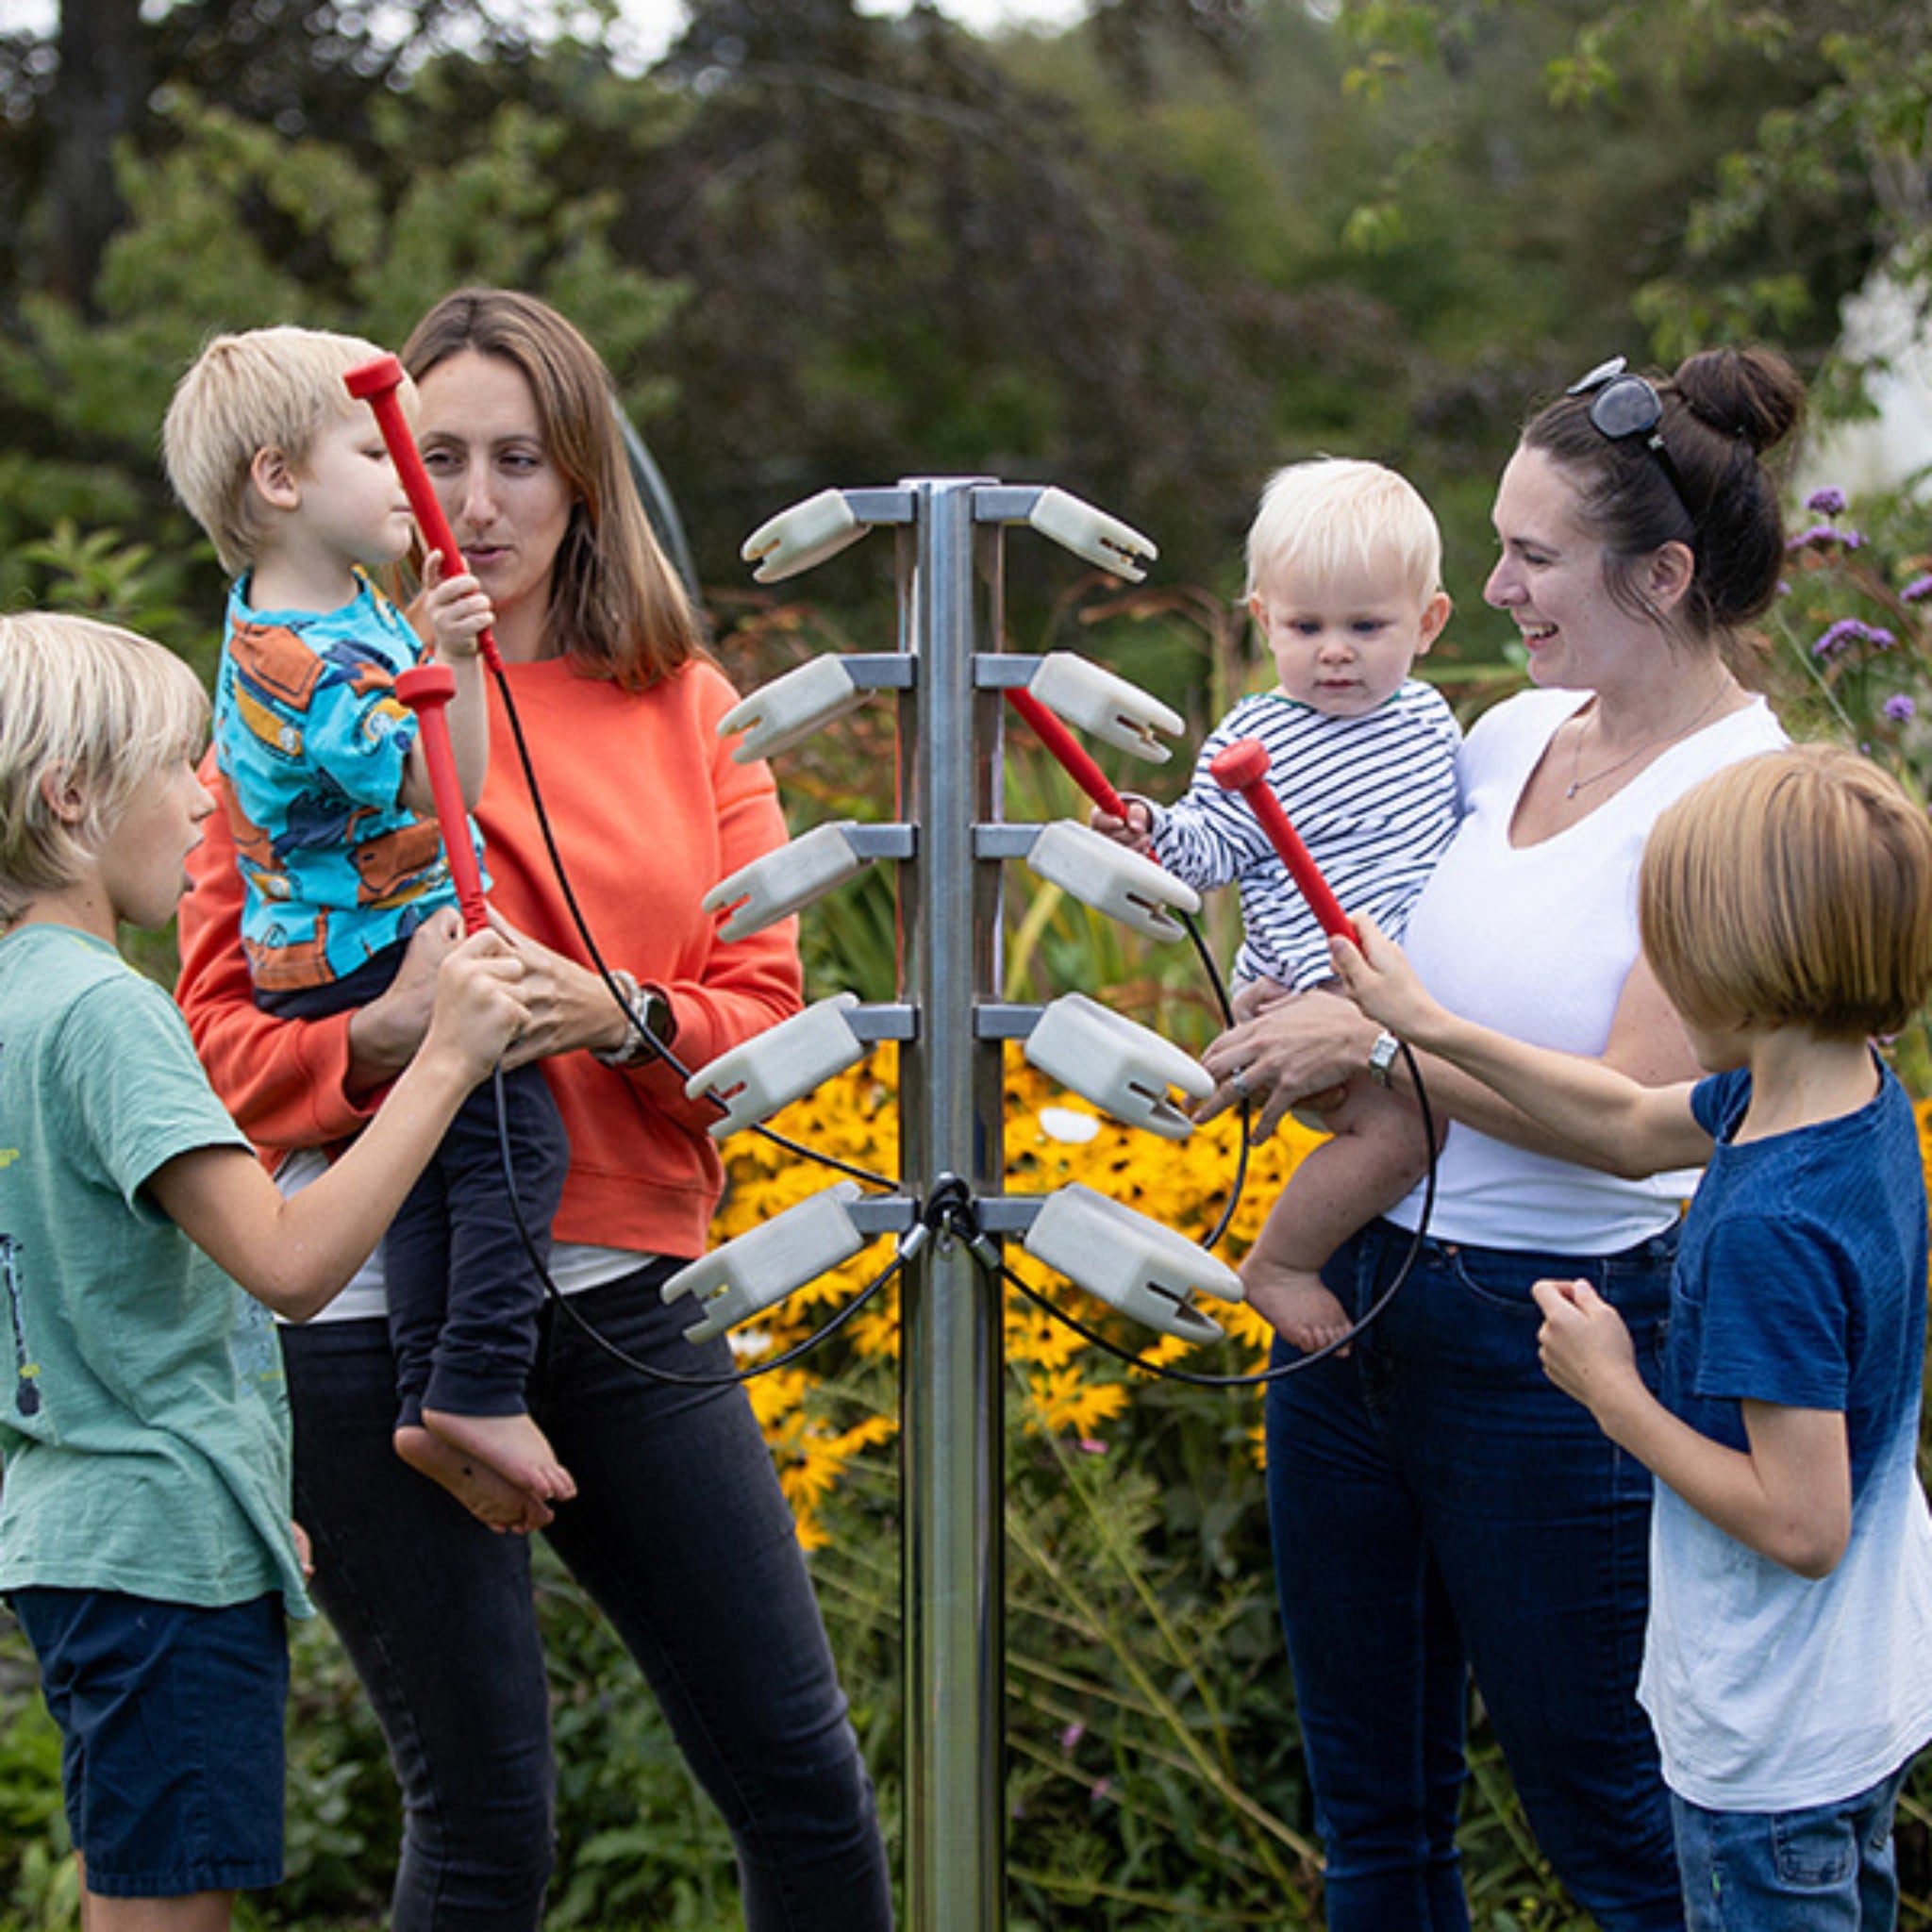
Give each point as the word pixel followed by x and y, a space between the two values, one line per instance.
pixel 645 1004
pixel 1382 1058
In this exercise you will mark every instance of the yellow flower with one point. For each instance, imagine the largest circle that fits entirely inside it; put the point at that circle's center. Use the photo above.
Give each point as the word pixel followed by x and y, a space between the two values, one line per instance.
pixel 1068 1404
pixel 1074 1387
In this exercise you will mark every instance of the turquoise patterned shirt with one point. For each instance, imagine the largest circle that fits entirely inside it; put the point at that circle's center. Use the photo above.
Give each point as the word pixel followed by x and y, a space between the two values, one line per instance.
pixel 313 743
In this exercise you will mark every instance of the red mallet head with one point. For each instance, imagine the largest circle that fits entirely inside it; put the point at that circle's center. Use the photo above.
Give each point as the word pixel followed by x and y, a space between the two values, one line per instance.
pixel 378 377
pixel 375 382
pixel 1243 763
pixel 425 685
pixel 1243 768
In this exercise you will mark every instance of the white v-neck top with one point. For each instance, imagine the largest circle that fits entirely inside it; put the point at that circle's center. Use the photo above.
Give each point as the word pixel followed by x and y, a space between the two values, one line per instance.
pixel 1537 942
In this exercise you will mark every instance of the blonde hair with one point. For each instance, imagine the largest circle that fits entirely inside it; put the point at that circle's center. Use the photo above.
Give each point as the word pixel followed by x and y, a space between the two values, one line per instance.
pixel 1335 513
pixel 1792 888
pixel 618 609
pixel 85 704
pixel 267 388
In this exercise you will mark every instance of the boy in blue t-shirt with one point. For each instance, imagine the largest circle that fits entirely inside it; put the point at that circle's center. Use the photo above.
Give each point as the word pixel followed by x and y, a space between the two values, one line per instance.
pixel 327 791
pixel 1785 908
pixel 146 1540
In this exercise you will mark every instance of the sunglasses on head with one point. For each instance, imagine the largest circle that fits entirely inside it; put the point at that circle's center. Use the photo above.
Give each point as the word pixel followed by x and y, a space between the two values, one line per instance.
pixel 1622 406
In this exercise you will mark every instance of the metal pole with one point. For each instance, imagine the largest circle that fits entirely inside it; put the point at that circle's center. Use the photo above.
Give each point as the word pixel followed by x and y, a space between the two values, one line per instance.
pixel 950 1113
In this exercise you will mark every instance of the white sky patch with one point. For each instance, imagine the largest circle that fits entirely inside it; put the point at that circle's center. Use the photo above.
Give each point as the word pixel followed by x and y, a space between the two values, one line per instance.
pixel 651 26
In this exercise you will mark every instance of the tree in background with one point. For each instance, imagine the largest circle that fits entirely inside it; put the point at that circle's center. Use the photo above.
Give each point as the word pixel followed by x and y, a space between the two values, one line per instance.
pixel 1830 175
pixel 1149 260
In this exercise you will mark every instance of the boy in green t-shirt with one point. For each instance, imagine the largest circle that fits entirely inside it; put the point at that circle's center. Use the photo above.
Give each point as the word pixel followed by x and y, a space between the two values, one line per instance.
pixel 145 1541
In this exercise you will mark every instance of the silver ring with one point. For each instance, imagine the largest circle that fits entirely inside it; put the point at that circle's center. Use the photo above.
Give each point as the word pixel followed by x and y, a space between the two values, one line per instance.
pixel 1239 1081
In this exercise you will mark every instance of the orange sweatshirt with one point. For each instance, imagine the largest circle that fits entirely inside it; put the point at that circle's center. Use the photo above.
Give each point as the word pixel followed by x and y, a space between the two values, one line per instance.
pixel 649 812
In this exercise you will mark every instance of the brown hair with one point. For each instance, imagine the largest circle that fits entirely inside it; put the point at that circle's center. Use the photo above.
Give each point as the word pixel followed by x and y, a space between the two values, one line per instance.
pixel 1723 410
pixel 618 608
pixel 1792 888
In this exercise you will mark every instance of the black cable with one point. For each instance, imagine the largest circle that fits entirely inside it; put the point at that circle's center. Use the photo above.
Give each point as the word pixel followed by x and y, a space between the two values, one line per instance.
pixel 1264 1376
pixel 1205 955
pixel 948 1208
pixel 602 968
pixel 624 1359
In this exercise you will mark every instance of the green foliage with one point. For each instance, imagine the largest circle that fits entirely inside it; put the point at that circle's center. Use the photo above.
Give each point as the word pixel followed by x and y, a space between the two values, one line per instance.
pixel 1852 637
pixel 38 1886
pixel 96 574
pixel 231 224
pixel 1813 137
pixel 1853 632
pixel 1153 1774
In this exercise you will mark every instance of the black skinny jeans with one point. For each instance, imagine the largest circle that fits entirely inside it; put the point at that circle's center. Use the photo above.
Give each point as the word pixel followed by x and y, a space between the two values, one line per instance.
pixel 680 1534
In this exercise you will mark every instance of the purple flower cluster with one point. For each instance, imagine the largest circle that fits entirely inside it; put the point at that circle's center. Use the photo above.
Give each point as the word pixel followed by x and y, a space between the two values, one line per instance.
pixel 1824 537
pixel 1828 502
pixel 1900 709
pixel 1918 590
pixel 1848 631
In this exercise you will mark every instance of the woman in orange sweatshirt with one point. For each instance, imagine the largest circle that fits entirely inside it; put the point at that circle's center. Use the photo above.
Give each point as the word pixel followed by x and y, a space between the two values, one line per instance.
pixel 678 1529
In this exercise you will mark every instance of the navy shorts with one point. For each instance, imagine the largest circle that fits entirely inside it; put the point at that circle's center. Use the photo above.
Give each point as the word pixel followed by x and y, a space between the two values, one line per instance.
pixel 170 1730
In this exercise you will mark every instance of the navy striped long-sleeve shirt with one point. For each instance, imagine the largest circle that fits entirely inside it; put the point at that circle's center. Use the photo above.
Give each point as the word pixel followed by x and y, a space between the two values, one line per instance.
pixel 1374 798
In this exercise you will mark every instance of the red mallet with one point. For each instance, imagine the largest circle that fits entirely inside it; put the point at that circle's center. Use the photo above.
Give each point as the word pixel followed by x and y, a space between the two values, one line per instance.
pixel 428 690
pixel 1069 751
pixel 1243 768
pixel 376 383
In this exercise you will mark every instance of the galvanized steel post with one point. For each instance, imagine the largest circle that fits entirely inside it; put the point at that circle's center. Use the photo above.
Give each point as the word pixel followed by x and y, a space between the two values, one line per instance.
pixel 952 1444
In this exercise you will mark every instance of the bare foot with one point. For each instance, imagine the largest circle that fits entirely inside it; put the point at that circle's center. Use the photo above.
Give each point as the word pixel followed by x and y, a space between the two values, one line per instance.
pixel 489 1497
pixel 513 1445
pixel 1296 1306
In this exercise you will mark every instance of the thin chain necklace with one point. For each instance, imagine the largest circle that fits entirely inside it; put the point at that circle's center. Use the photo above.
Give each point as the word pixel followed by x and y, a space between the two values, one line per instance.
pixel 1577 784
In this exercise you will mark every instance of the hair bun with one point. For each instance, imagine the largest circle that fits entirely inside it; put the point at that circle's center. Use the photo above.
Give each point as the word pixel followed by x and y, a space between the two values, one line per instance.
pixel 1750 393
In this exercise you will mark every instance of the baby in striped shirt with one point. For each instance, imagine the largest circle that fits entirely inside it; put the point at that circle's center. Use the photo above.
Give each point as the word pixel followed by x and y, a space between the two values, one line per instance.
pixel 1344 581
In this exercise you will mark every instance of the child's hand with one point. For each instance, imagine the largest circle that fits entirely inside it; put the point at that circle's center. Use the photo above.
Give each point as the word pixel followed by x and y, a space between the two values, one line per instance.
pixel 479 1011
pixel 1258 995
pixel 1585 1347
pixel 1377 975
pixel 1135 831
pixel 457 611
pixel 385 1034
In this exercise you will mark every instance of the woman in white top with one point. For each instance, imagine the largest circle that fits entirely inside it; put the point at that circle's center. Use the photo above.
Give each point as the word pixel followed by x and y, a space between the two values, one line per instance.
pixel 1438 1507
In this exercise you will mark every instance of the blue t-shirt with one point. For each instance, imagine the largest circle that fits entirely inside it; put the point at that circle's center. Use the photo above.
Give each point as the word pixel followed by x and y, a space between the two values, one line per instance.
pixel 314 744
pixel 1801 1281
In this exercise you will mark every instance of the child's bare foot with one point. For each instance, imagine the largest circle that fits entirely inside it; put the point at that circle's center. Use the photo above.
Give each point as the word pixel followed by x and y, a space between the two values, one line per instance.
pixel 513 1445
pixel 489 1497
pixel 1296 1307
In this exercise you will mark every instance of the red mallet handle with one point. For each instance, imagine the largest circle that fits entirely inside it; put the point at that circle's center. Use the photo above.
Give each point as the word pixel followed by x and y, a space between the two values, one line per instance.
pixel 1243 768
pixel 1068 750
pixel 426 689
pixel 376 383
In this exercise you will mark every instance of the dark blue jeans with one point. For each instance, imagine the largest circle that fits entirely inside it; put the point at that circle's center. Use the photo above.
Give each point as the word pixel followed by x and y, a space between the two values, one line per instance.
pixel 463 1295
pixel 1827 1868
pixel 682 1536
pixel 1439 1507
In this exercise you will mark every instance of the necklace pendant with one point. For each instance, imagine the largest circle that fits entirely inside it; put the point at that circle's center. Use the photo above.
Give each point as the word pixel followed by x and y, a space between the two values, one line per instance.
pixel 1570 790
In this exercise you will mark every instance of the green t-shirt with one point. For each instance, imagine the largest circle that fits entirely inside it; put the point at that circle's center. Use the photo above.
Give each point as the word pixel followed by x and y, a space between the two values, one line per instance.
pixel 143 1416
